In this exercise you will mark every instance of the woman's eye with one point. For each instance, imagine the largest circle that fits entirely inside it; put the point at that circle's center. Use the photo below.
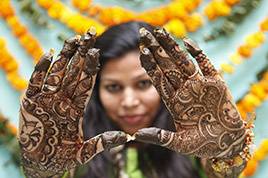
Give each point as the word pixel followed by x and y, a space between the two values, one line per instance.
pixel 144 84
pixel 113 88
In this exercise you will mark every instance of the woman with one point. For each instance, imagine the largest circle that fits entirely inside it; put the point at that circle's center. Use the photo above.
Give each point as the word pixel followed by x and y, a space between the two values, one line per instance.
pixel 123 99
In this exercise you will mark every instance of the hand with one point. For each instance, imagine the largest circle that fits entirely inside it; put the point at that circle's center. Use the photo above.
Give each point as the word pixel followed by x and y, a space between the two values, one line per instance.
pixel 207 121
pixel 51 113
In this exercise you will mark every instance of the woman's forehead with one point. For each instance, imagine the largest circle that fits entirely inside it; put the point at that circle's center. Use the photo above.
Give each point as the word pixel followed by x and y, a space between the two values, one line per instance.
pixel 125 66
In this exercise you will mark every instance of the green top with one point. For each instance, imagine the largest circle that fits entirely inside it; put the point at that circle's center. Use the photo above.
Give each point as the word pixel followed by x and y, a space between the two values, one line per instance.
pixel 132 169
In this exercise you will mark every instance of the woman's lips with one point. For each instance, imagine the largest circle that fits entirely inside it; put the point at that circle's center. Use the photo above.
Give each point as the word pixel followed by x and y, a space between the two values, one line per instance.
pixel 133 119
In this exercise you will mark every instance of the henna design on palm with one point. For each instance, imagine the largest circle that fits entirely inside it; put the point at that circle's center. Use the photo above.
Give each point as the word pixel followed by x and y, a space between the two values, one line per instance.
pixel 207 121
pixel 51 113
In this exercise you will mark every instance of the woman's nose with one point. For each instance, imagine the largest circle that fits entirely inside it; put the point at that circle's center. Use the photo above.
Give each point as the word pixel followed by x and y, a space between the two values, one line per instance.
pixel 130 98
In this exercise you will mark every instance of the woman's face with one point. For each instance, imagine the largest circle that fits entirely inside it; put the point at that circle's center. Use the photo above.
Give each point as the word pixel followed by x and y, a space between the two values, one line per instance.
pixel 127 94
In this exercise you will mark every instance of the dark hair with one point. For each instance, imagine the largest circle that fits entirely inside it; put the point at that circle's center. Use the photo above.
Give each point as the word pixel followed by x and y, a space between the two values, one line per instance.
pixel 113 43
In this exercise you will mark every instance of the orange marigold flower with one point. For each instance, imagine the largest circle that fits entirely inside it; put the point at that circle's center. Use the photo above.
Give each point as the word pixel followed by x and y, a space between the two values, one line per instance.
pixel 6 10
pixel 258 90
pixel 176 10
pixel 193 22
pixel 251 167
pixel 45 3
pixel 221 8
pixel 231 2
pixel 176 27
pixel 245 51
pixel 210 12
pixel 264 25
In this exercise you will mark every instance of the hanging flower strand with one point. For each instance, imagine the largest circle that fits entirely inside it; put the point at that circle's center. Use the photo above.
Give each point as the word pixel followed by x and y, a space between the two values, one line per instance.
pixel 177 16
pixel 259 155
pixel 75 21
pixel 10 67
pixel 245 50
pixel 20 31
pixel 218 8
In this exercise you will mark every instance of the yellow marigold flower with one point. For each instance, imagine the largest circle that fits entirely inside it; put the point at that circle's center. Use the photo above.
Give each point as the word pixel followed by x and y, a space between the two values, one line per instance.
pixel 221 8
pixel 256 39
pixel 250 168
pixel 11 66
pixel 66 15
pixel 236 58
pixel 2 43
pixel 265 76
pixel 264 146
pixel 228 68
pixel 245 50
pixel 193 22
pixel 241 110
pixel 231 2
pixel 55 10
pixel 252 100
pixel 257 90
pixel 20 84
pixel 259 155
pixel 12 128
pixel 45 3
pixel 6 10
pixel 264 84
pixel 176 10
pixel 210 12
pixel 264 25
pixel 176 27
pixel 94 9
pixel 190 5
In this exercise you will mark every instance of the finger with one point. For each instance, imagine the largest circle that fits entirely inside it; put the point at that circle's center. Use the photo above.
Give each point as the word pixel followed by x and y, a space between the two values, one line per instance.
pixel 159 80
pixel 179 57
pixel 204 63
pixel 155 136
pixel 87 79
pixel 77 63
pixel 102 142
pixel 164 61
pixel 57 71
pixel 39 74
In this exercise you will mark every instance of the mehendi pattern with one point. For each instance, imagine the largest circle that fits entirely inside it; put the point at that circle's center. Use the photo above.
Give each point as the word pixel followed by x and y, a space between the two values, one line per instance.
pixel 207 121
pixel 51 113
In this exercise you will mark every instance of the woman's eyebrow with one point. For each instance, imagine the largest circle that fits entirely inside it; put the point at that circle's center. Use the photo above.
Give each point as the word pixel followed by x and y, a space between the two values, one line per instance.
pixel 140 76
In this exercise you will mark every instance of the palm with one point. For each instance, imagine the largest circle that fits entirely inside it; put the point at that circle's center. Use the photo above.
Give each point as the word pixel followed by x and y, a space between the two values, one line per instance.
pixel 50 134
pixel 206 119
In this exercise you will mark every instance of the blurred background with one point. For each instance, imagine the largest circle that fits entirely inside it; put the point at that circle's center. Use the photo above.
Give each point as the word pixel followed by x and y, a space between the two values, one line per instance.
pixel 233 33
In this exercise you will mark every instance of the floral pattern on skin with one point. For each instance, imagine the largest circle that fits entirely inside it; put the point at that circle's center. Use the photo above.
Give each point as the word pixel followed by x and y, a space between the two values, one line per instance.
pixel 51 113
pixel 207 121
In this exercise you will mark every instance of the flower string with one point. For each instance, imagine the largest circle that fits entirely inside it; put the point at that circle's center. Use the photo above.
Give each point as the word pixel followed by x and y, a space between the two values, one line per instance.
pixel 257 94
pixel 74 20
pixel 218 8
pixel 20 31
pixel 10 67
pixel 177 16
pixel 245 50
pixel 259 155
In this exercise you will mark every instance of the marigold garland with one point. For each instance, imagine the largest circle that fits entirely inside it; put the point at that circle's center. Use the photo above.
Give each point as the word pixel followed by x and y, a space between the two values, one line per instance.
pixel 217 8
pixel 176 17
pixel 259 154
pixel 26 39
pixel 238 14
pixel 10 66
pixel 75 21
pixel 245 50
pixel 255 97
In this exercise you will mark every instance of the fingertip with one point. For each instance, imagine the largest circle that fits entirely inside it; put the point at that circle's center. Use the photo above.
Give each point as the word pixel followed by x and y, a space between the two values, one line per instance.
pixel 45 61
